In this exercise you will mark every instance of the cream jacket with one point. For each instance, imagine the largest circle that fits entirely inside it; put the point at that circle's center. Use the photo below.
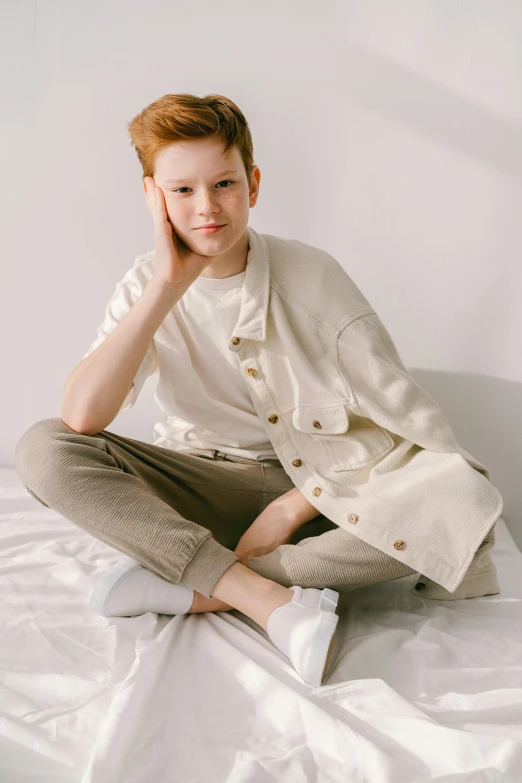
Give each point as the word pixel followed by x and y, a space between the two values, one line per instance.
pixel 364 443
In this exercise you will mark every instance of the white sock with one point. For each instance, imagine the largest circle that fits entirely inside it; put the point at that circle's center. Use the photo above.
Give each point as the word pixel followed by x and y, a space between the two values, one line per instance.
pixel 142 591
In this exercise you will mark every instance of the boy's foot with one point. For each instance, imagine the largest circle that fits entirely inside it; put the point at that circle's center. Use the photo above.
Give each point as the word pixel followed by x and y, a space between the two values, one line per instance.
pixel 127 589
pixel 304 628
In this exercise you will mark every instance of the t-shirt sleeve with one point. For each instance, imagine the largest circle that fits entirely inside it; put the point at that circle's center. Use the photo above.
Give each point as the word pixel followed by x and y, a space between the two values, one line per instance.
pixel 127 292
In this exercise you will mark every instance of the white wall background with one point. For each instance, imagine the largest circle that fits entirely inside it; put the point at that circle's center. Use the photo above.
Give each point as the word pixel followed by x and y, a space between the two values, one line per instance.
pixel 388 133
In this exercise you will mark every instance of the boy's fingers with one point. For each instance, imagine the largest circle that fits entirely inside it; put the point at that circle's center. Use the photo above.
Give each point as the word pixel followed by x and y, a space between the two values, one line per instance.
pixel 162 207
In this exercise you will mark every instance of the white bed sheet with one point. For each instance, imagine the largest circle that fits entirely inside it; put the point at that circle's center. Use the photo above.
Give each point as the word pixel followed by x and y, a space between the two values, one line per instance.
pixel 419 690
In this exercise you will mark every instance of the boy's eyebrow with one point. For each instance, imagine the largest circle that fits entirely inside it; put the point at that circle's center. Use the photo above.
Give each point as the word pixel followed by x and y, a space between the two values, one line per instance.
pixel 221 174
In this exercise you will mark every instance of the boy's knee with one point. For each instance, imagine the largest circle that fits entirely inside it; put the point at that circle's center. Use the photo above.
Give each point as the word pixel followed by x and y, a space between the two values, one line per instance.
pixel 33 448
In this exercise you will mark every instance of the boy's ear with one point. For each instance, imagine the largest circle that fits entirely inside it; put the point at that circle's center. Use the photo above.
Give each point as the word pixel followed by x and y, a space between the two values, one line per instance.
pixel 146 196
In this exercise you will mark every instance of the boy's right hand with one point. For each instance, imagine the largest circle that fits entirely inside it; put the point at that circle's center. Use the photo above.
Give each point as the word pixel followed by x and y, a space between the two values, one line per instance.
pixel 176 264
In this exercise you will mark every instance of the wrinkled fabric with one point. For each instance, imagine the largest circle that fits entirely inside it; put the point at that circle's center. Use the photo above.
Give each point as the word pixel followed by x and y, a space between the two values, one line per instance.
pixel 418 690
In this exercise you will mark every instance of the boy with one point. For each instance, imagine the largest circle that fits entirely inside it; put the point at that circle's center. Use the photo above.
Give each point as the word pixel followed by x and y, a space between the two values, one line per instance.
pixel 271 361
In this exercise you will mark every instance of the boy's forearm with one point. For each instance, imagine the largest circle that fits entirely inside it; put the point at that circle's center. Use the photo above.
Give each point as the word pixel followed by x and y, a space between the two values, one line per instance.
pixel 294 508
pixel 96 388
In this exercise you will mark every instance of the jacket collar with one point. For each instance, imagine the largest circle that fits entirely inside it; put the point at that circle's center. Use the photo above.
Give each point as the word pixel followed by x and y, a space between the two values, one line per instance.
pixel 251 324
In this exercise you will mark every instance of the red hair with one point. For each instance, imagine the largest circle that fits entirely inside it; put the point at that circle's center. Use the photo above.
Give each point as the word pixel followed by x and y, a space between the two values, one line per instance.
pixel 184 116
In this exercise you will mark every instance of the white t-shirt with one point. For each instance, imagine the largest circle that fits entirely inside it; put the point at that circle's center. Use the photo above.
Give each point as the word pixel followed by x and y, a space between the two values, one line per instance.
pixel 201 387
pixel 213 408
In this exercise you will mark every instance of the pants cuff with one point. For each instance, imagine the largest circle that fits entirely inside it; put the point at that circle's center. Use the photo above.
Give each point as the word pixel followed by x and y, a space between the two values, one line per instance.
pixel 270 567
pixel 207 566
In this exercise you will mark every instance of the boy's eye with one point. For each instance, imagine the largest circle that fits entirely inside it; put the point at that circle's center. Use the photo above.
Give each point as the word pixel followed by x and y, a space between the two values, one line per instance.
pixel 219 183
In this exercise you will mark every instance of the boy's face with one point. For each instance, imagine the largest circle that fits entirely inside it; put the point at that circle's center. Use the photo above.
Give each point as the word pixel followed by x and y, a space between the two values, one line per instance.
pixel 198 192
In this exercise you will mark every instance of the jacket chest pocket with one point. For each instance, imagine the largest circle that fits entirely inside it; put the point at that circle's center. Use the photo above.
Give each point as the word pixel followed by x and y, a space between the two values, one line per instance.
pixel 336 439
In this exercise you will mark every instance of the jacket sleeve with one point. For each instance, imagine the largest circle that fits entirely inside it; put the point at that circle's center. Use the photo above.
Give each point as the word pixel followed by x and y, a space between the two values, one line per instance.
pixel 127 292
pixel 385 392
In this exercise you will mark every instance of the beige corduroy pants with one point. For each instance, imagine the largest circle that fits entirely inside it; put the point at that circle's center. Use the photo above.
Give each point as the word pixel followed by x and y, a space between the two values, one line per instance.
pixel 181 514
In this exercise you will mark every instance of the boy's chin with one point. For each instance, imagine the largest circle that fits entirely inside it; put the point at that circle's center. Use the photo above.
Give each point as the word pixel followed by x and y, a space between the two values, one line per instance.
pixel 206 248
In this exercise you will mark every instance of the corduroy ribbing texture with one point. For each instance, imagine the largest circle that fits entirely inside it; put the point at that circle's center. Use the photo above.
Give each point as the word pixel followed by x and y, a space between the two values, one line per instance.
pixel 182 514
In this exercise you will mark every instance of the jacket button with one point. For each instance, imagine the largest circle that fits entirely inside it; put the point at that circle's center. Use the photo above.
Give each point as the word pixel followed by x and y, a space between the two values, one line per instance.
pixel 296 463
pixel 353 518
pixel 273 418
pixel 235 341
pixel 316 491
pixel 420 586
pixel 399 544
pixel 317 424
pixel 251 371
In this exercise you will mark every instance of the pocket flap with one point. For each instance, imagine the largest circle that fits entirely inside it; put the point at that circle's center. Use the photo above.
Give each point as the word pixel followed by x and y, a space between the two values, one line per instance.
pixel 321 419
